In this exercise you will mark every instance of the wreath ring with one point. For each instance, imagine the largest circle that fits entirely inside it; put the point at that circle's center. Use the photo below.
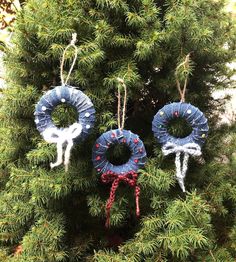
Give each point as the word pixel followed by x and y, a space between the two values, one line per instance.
pixel 191 114
pixel 71 96
pixel 117 136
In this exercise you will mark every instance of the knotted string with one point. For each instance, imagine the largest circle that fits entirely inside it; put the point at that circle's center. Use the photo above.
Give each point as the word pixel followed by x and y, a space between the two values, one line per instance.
pixel 129 178
pixel 121 120
pixel 72 44
pixel 186 66
pixel 181 168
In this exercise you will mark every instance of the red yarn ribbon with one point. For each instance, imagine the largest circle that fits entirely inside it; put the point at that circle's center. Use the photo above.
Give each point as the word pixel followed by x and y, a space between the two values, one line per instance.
pixel 129 178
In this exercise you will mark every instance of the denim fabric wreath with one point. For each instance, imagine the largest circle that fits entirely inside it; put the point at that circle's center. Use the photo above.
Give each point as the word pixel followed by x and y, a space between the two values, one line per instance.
pixel 117 136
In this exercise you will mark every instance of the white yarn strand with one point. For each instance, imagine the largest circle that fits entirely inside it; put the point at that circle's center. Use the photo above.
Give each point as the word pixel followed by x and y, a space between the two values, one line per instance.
pixel 181 168
pixel 67 154
pixel 62 137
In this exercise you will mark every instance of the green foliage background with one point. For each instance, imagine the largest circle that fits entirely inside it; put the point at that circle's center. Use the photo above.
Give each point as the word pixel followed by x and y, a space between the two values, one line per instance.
pixel 58 216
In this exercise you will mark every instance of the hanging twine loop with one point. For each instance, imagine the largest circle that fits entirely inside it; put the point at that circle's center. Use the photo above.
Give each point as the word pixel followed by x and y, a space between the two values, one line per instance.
pixel 186 66
pixel 72 44
pixel 121 113
pixel 129 178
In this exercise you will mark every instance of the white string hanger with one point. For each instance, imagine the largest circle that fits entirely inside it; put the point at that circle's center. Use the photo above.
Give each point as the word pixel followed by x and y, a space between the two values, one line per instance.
pixel 72 44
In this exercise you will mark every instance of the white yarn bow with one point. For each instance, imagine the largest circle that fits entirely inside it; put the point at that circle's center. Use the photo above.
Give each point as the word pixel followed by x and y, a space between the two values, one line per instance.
pixel 187 149
pixel 61 137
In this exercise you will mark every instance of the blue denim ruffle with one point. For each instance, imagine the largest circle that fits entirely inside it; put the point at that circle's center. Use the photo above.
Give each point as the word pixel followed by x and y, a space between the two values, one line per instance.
pixel 71 96
pixel 185 110
pixel 117 136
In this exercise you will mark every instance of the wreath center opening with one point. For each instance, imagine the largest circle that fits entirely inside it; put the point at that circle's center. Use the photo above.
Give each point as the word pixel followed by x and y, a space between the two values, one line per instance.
pixel 179 127
pixel 118 154
pixel 64 115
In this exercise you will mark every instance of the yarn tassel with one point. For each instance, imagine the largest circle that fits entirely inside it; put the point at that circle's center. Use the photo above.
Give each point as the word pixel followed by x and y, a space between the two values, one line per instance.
pixel 181 168
pixel 129 178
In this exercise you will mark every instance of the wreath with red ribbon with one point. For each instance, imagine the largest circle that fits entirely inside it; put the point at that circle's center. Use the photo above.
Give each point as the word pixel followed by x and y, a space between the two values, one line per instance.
pixel 128 172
